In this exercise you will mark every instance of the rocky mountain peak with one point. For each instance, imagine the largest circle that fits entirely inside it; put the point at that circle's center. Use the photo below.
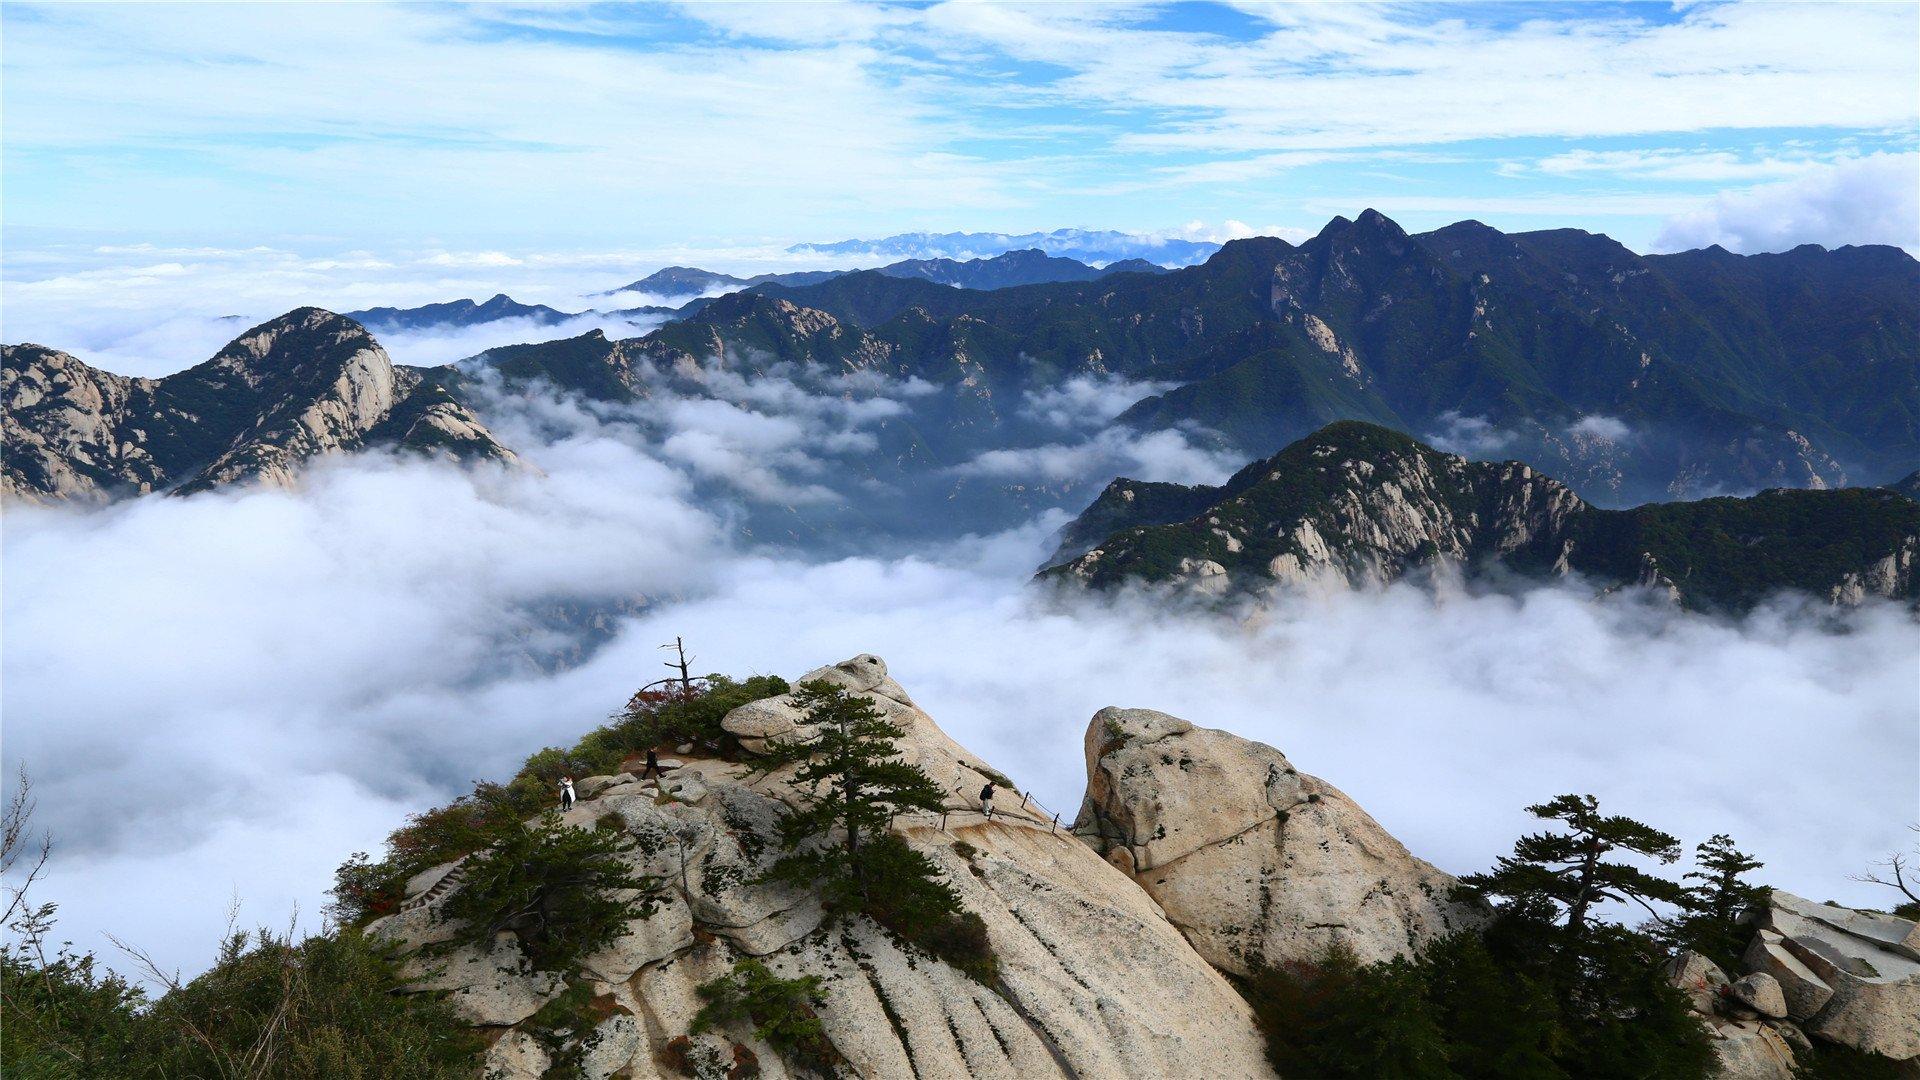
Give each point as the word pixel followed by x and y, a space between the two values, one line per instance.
pixel 307 383
pixel 1358 505
pixel 1196 853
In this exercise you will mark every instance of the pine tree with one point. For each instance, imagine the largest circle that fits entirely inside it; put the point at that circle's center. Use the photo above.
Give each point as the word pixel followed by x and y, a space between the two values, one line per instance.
pixel 1569 871
pixel 563 891
pixel 859 785
pixel 1711 908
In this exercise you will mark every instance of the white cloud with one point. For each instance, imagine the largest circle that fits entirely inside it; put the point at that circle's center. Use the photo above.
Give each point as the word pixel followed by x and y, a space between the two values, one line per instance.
pixel 1086 401
pixel 1868 200
pixel 232 692
pixel 1598 426
pixel 1470 436
pixel 1156 455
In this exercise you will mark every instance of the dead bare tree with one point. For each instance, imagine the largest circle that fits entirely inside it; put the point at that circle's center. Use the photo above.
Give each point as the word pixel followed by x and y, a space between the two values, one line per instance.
pixel 16 840
pixel 682 663
pixel 1901 871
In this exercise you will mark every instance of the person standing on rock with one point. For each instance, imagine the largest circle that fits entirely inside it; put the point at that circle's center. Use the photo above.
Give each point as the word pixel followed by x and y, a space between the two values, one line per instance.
pixel 986 800
pixel 653 766
pixel 567 797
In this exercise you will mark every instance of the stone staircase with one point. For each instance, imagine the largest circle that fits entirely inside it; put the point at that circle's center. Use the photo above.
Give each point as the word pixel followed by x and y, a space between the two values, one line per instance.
pixel 448 882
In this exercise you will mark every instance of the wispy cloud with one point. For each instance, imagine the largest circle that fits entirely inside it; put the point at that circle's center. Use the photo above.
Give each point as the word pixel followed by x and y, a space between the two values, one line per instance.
pixel 1868 200
pixel 815 120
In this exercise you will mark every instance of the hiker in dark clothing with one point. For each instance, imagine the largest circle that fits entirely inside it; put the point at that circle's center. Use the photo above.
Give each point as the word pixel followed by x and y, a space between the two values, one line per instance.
pixel 653 766
pixel 986 800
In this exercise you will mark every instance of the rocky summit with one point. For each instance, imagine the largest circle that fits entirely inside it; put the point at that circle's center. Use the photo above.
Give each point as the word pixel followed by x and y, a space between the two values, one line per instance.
pixel 1216 852
pixel 300 386
pixel 1357 505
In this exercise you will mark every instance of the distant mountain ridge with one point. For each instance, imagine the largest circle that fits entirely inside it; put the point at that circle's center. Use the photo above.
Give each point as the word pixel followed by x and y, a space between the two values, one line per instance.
pixel 1019 267
pixel 1087 245
pixel 455 313
pixel 1357 505
pixel 305 384
pixel 1635 377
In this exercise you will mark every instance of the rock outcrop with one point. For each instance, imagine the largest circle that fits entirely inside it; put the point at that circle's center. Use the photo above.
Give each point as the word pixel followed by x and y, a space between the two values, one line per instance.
pixel 1093 979
pixel 297 387
pixel 1355 506
pixel 1870 963
pixel 1813 973
pixel 1197 855
pixel 1255 861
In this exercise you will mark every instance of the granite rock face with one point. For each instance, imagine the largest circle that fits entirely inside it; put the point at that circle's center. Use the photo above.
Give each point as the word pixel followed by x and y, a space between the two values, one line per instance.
pixel 1813 973
pixel 1870 962
pixel 1255 861
pixel 1093 978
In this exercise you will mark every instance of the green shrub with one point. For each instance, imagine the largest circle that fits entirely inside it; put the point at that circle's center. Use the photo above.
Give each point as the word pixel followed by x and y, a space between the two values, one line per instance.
pixel 560 890
pixel 780 1010
pixel 327 1006
pixel 1712 908
pixel 655 718
pixel 1337 1018
pixel 841 843
pixel 907 895
pixel 365 890
pixel 65 1017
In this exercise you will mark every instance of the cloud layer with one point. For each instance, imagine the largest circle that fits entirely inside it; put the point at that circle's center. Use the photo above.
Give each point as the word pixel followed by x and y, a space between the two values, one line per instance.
pixel 1868 200
pixel 231 692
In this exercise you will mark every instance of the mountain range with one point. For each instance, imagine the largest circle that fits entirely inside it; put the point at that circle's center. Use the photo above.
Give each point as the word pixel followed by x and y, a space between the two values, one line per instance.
pixel 453 313
pixel 1029 266
pixel 1356 504
pixel 1632 379
pixel 1089 245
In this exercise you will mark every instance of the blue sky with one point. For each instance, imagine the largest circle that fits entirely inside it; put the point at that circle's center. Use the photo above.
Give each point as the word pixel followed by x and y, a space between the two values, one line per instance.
pixel 549 128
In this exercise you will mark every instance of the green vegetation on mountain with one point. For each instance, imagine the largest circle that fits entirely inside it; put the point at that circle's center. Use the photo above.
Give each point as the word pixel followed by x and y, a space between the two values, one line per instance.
pixel 1547 991
pixel 780 1010
pixel 562 892
pixel 842 846
pixel 655 718
pixel 1369 505
pixel 269 1006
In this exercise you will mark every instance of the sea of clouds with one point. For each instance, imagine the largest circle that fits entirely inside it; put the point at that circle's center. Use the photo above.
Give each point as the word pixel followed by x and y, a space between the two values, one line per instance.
pixel 225 695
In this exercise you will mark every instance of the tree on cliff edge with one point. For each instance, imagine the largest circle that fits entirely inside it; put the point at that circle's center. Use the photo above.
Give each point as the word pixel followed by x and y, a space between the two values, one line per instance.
pixel 859 785
pixel 842 843
pixel 1569 871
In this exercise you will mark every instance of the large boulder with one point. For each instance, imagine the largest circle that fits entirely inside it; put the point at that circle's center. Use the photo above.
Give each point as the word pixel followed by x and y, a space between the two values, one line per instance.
pixel 1093 980
pixel 1867 961
pixel 1761 993
pixel 1699 978
pixel 1256 862
pixel 1750 1050
pixel 1805 993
